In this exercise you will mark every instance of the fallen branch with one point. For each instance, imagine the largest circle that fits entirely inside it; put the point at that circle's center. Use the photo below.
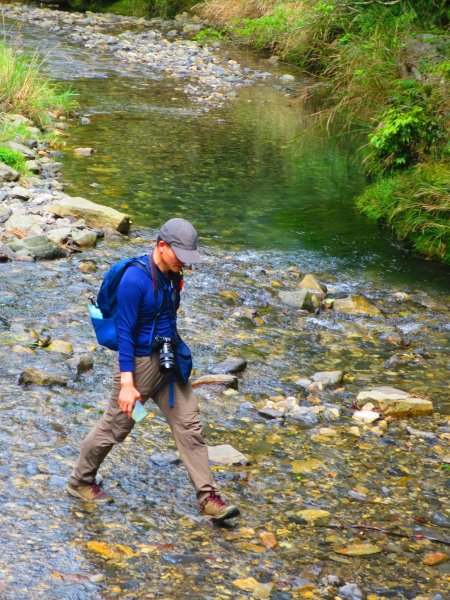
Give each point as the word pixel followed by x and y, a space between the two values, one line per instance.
pixel 410 536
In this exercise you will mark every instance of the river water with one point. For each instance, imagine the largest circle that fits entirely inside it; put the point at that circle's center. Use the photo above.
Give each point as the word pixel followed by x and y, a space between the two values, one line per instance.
pixel 271 199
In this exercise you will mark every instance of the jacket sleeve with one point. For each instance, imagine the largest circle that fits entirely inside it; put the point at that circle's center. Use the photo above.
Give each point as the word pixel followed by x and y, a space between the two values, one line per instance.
pixel 130 295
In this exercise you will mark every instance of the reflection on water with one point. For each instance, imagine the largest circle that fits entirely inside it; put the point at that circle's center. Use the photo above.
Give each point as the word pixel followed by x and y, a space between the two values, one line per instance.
pixel 252 176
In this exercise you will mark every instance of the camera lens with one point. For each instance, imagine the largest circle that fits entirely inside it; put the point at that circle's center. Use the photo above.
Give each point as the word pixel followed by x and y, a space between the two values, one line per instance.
pixel 166 357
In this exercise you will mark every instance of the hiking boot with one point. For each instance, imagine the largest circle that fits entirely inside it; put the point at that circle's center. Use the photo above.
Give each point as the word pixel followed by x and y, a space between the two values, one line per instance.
pixel 215 508
pixel 89 493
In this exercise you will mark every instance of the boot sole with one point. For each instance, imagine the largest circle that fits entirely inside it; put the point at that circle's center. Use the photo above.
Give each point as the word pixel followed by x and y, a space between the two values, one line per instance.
pixel 73 492
pixel 231 513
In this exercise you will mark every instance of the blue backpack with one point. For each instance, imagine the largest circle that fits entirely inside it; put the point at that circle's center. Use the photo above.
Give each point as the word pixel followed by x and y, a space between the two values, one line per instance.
pixel 103 313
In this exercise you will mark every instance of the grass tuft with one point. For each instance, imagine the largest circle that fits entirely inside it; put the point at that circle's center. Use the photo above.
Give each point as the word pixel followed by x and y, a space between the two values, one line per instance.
pixel 24 90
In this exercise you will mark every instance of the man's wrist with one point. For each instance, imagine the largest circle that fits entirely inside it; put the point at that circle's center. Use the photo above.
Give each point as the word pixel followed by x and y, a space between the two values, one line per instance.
pixel 126 379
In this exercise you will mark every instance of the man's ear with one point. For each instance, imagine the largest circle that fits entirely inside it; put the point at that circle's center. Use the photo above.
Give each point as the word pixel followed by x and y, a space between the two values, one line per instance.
pixel 161 245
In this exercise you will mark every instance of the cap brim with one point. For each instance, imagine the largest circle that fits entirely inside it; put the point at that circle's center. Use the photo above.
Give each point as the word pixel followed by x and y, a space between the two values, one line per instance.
pixel 189 257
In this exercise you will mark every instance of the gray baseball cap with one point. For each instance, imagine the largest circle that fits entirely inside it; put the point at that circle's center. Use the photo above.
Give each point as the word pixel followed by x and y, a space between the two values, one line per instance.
pixel 182 237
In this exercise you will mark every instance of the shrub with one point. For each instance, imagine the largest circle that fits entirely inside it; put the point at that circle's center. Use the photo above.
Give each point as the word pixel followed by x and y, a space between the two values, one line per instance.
pixel 410 130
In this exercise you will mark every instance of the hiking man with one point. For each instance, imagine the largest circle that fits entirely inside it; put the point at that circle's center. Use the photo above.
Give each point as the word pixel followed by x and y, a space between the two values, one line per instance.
pixel 139 376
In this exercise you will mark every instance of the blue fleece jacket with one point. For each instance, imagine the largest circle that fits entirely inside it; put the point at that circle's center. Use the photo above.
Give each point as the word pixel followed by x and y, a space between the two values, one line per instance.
pixel 136 312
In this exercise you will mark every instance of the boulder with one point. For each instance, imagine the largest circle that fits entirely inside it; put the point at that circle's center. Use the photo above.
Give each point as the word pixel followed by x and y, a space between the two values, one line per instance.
pixel 38 247
pixel 94 214
pixel 394 402
pixel 225 454
pixel 225 380
pixel 302 299
pixel 328 378
pixel 356 305
pixel 8 173
pixel 40 377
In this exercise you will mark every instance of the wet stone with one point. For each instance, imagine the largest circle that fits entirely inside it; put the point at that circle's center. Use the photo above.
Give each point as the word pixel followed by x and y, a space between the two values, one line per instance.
pixel 182 559
pixel 230 366
pixel 161 459
pixel 40 377
pixel 351 591
pixel 225 380
pixel 328 378
pixel 225 454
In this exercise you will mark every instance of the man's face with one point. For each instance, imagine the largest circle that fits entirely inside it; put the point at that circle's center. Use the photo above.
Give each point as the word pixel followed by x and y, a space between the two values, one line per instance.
pixel 169 258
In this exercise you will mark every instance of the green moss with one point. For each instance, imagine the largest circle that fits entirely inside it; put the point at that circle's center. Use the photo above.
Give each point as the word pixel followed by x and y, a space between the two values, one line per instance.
pixel 13 159
pixel 416 204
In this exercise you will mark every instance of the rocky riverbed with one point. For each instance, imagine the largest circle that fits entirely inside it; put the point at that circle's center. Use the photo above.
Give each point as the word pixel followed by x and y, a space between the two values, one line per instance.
pixel 280 384
pixel 162 47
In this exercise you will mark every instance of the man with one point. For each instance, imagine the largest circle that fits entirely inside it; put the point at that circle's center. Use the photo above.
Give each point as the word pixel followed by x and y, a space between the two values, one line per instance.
pixel 137 375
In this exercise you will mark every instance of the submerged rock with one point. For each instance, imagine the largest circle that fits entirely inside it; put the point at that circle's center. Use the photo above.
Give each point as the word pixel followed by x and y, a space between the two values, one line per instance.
pixel 394 402
pixel 328 378
pixel 310 283
pixel 350 591
pixel 40 377
pixel 312 516
pixel 225 454
pixel 60 346
pixel 356 305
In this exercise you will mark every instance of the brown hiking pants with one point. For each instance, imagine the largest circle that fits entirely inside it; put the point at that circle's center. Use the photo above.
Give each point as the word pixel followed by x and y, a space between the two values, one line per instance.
pixel 183 420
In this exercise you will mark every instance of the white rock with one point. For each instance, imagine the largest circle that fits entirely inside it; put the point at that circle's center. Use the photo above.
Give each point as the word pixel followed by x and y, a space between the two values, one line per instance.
pixel 225 454
pixel 365 416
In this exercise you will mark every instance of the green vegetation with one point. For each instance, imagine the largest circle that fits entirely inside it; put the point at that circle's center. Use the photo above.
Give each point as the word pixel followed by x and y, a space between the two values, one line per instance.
pixel 24 90
pixel 416 204
pixel 13 159
pixel 386 63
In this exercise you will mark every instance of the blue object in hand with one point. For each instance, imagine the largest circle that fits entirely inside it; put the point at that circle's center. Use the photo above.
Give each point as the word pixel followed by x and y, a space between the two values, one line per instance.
pixel 139 412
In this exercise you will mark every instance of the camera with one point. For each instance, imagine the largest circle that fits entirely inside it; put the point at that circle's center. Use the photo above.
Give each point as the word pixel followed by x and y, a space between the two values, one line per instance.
pixel 166 347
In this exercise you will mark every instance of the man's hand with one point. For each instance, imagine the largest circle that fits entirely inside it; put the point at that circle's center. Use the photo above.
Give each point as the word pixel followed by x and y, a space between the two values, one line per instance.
pixel 127 398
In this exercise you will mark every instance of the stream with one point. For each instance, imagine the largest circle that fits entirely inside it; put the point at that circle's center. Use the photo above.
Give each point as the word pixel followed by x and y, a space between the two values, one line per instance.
pixel 272 200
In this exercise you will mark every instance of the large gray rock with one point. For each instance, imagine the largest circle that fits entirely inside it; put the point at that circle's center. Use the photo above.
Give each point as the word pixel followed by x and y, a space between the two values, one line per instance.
pixel 351 591
pixel 303 415
pixel 38 247
pixel 224 454
pixel 20 192
pixel 302 299
pixel 356 305
pixel 8 173
pixel 394 402
pixel 95 215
